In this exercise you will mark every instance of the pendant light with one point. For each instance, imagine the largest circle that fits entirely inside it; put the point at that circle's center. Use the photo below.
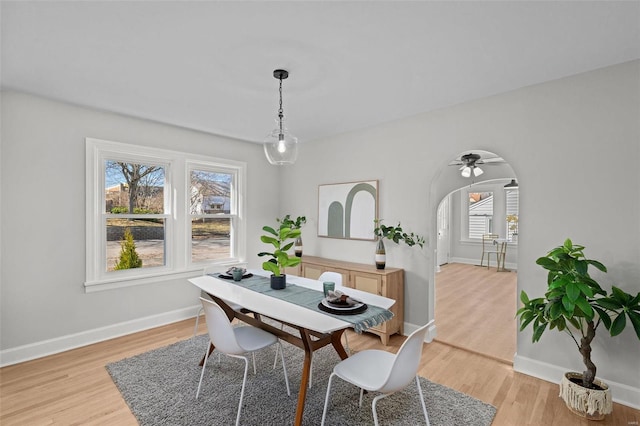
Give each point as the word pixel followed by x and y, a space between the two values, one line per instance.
pixel 280 146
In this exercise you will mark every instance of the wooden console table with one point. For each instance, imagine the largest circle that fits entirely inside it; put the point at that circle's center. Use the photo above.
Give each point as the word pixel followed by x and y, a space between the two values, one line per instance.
pixel 388 282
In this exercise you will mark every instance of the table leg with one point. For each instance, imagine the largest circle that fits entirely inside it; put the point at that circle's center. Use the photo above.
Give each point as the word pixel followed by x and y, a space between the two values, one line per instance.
pixel 304 381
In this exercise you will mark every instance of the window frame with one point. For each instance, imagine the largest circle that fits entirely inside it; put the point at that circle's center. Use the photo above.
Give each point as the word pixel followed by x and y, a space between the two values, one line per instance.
pixel 176 213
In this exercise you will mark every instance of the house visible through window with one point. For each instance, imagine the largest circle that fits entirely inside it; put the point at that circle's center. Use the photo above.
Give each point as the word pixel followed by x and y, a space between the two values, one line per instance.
pixel 212 211
pixel 154 213
pixel 480 214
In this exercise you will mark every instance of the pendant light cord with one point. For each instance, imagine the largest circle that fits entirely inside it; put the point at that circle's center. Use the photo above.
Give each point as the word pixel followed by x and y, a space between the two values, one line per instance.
pixel 280 111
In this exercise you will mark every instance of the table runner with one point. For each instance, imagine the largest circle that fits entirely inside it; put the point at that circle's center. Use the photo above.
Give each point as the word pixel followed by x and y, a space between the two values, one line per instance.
pixel 308 298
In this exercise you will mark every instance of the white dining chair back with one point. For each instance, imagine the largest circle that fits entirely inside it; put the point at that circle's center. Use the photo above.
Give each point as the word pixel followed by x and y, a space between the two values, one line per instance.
pixel 221 332
pixel 380 371
pixel 330 276
pixel 236 342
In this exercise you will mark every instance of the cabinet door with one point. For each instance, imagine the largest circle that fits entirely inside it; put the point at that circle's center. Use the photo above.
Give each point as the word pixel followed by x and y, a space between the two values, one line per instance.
pixel 371 283
pixel 311 271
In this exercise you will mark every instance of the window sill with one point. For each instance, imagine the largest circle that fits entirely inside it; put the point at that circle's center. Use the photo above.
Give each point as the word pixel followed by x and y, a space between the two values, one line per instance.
pixel 109 284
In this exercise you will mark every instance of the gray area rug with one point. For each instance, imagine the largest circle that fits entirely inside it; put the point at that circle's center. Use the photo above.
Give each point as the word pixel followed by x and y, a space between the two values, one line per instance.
pixel 160 388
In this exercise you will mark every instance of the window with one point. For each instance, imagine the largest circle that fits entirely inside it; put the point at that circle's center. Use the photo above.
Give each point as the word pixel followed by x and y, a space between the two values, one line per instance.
pixel 155 213
pixel 212 210
pixel 480 214
pixel 512 214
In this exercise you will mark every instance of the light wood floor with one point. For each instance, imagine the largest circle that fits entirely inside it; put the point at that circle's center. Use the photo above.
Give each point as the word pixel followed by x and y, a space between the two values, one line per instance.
pixel 74 388
pixel 475 309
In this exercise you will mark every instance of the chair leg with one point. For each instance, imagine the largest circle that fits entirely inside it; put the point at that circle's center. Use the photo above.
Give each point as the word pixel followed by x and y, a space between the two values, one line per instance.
pixel 424 407
pixel 244 382
pixel 326 399
pixel 361 395
pixel 373 407
pixel 195 329
pixel 284 368
pixel 204 364
pixel 346 343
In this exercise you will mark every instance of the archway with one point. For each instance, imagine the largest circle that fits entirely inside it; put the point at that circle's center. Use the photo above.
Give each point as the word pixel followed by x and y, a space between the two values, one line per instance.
pixel 473 306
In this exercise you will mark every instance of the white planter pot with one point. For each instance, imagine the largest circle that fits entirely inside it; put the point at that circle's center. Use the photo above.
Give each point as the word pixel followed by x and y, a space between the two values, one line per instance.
pixel 592 404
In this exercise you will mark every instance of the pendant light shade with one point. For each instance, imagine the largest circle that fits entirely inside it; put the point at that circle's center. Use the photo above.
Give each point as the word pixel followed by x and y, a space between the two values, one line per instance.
pixel 280 146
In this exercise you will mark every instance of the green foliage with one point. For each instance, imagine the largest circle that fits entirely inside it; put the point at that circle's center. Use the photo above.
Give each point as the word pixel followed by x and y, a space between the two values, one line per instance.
pixel 293 224
pixel 128 256
pixel 396 234
pixel 278 238
pixel 136 210
pixel 575 301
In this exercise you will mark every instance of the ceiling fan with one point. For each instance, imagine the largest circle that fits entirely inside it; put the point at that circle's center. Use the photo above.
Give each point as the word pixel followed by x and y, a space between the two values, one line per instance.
pixel 470 162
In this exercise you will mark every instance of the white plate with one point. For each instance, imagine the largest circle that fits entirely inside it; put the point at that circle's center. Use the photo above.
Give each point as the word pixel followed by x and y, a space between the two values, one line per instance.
pixel 341 308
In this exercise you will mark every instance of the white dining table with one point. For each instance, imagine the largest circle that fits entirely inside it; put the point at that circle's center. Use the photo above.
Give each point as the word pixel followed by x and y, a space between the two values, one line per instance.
pixel 315 329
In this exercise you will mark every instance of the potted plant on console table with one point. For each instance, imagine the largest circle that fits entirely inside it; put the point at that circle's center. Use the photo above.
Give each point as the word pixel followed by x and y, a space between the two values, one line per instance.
pixel 280 259
pixel 575 302
pixel 395 234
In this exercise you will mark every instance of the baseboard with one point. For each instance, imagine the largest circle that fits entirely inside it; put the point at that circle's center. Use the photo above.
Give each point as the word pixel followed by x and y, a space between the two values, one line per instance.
pixel 431 330
pixel 72 341
pixel 621 393
pixel 509 266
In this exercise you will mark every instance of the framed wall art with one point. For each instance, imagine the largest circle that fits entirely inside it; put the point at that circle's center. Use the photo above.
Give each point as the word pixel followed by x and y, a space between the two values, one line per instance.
pixel 347 210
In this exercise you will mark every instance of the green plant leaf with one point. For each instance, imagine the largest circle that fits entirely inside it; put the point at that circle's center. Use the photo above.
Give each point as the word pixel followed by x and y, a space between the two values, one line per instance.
pixel 265 253
pixel 604 316
pixel 271 267
pixel 620 295
pixel 609 303
pixel 573 291
pixel 537 333
pixel 269 240
pixel 598 265
pixel 270 230
pixel 635 321
pixel 524 298
pixel 585 289
pixel 568 304
pixel 618 324
pixel 556 311
pixel 585 307
pixel 288 246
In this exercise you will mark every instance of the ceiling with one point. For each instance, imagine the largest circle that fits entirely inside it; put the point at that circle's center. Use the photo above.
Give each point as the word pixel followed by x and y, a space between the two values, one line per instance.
pixel 208 65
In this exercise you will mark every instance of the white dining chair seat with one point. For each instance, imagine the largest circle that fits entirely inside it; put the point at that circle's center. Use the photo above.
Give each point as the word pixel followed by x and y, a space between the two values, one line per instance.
pixel 370 369
pixel 251 339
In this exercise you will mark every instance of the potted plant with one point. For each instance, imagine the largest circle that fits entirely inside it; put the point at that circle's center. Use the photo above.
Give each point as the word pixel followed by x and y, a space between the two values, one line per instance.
pixel 576 304
pixel 395 234
pixel 280 259
pixel 295 224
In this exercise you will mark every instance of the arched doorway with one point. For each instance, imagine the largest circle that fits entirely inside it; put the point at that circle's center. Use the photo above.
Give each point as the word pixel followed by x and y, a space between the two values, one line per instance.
pixel 474 306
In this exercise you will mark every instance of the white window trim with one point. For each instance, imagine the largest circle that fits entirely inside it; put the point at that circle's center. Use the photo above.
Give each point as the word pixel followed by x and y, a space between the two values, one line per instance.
pixel 177 252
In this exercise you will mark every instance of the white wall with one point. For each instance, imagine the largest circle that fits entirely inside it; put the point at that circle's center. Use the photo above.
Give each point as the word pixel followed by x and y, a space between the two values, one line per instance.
pixel 574 146
pixel 44 305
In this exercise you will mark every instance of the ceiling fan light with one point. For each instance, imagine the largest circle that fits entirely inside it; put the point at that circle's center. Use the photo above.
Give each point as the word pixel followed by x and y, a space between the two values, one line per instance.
pixel 477 171
pixel 466 172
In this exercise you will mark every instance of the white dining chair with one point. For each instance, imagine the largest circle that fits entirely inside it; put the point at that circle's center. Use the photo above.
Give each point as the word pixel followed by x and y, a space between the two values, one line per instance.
pixel 236 342
pixel 336 278
pixel 210 270
pixel 380 371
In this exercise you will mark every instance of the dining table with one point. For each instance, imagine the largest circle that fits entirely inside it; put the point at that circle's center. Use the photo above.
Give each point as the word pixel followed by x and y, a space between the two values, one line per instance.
pixel 308 327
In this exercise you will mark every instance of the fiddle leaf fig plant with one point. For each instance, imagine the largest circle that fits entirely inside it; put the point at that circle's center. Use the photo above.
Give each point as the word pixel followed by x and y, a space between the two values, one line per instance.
pixel 278 238
pixel 576 304
pixel 397 234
